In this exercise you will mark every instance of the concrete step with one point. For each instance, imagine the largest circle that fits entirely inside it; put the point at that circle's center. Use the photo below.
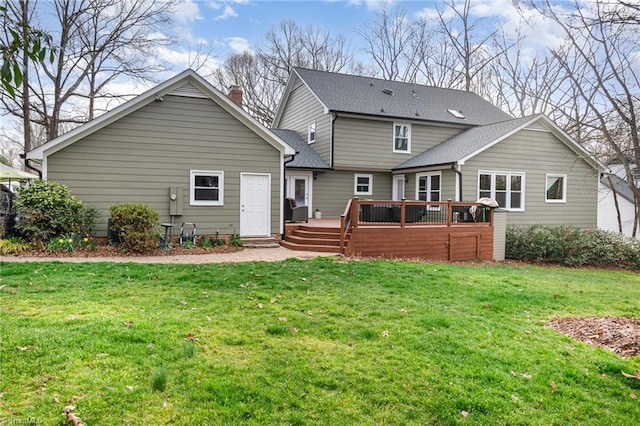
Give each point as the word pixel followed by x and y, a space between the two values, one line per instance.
pixel 267 242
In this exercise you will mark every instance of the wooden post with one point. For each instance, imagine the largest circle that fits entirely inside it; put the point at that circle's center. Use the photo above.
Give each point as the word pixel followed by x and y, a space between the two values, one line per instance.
pixel 355 208
pixel 449 212
pixel 403 209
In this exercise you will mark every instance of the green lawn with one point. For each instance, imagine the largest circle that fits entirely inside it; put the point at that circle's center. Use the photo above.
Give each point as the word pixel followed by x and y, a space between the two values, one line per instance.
pixel 310 342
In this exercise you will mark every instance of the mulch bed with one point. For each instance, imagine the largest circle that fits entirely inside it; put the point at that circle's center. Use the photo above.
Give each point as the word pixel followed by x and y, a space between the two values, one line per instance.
pixel 106 250
pixel 619 335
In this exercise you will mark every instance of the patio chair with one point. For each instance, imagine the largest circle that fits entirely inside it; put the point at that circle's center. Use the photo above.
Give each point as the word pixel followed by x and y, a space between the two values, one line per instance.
pixel 295 213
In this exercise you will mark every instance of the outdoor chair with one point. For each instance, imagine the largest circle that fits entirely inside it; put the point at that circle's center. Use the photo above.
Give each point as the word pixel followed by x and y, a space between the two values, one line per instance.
pixel 293 213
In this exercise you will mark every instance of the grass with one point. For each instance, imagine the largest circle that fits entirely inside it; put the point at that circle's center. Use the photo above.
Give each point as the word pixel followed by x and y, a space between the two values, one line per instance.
pixel 310 342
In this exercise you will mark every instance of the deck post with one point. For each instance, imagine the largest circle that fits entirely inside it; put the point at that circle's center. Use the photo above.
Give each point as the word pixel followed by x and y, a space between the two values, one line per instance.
pixel 449 212
pixel 403 209
pixel 355 208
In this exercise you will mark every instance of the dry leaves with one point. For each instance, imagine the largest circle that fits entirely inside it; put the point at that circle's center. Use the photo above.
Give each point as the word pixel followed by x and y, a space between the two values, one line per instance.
pixel 192 337
pixel 385 333
pixel 553 387
pixel 631 376
pixel 464 414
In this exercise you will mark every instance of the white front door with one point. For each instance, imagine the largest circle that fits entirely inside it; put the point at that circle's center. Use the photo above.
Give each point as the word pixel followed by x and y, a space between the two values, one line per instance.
pixel 398 187
pixel 255 205
pixel 299 188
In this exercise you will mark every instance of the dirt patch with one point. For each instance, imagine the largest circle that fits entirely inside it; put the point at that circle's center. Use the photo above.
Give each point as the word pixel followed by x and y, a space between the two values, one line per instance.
pixel 619 335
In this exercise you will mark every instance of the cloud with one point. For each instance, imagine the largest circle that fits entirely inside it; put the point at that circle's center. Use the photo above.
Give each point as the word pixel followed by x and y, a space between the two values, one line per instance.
pixel 372 4
pixel 238 44
pixel 227 13
pixel 186 12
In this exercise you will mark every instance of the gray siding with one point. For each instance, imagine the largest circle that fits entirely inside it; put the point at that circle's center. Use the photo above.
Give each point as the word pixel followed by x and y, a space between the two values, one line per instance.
pixel 302 108
pixel 332 189
pixel 369 143
pixel 137 159
pixel 538 153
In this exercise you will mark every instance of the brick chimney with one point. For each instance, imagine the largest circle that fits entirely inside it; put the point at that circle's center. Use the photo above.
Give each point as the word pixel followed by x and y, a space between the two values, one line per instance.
pixel 235 94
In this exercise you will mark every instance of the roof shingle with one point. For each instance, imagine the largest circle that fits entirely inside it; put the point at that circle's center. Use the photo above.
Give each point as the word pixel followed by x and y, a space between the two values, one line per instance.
pixel 306 157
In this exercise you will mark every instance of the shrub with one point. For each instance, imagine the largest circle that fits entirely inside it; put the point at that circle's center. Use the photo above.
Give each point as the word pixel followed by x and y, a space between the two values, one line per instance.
pixel 136 225
pixel 14 245
pixel 88 218
pixel 47 209
pixel 572 247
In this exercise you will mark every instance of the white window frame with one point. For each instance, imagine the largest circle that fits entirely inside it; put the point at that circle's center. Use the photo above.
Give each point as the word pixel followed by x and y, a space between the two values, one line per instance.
pixel 508 190
pixel 564 187
pixel 355 184
pixel 311 132
pixel 429 175
pixel 408 150
pixel 192 188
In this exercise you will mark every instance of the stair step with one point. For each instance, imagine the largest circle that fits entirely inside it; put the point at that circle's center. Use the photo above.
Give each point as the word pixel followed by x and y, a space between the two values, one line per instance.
pixel 307 247
pixel 320 229
pixel 267 242
pixel 300 239
pixel 316 234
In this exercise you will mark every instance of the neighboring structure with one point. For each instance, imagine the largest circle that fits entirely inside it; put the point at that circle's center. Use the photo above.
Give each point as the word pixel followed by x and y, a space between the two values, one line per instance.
pixel 184 149
pixel 379 139
pixel 607 212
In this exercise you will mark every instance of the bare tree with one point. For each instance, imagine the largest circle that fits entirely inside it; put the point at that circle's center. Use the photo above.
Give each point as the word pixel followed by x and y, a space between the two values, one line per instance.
pixel 97 42
pixel 396 45
pixel 263 74
pixel 599 60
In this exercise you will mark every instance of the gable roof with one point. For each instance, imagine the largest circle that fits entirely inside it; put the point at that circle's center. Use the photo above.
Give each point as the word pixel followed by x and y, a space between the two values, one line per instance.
pixel 471 142
pixel 306 157
pixel 620 185
pixel 345 93
pixel 187 83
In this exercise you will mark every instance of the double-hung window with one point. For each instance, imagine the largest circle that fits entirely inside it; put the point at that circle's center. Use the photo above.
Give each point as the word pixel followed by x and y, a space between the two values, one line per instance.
pixel 507 188
pixel 556 189
pixel 362 184
pixel 402 138
pixel 206 188
pixel 429 186
pixel 311 132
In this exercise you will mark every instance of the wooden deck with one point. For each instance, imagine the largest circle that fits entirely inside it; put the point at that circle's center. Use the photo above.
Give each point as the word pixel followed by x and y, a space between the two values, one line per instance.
pixel 400 229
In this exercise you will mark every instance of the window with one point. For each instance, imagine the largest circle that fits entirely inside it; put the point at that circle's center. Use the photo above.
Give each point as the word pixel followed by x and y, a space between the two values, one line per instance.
pixel 311 132
pixel 363 184
pixel 429 186
pixel 402 138
pixel 206 188
pixel 506 188
pixel 556 190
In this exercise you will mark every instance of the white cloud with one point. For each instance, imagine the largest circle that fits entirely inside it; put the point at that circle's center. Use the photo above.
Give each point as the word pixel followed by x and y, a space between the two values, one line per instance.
pixel 186 12
pixel 372 4
pixel 227 13
pixel 238 44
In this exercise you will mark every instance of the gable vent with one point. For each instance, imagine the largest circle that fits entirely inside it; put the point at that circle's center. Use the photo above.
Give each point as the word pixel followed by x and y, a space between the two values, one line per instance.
pixel 189 91
pixel 387 92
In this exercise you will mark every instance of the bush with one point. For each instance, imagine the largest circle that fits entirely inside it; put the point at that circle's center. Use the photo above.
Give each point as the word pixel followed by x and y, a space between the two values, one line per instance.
pixel 47 209
pixel 136 225
pixel 14 245
pixel 572 247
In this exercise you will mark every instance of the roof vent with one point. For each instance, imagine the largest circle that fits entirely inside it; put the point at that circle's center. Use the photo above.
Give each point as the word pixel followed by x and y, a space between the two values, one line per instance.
pixel 456 113
pixel 387 92
pixel 381 109
pixel 371 83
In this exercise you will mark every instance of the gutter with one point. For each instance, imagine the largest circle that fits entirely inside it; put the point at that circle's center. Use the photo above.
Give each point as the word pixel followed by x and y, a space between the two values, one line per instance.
pixel 29 166
pixel 333 131
pixel 456 170
pixel 284 192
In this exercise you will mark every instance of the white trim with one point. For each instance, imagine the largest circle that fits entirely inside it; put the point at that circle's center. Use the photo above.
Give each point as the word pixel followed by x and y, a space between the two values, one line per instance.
pixel 156 95
pixel 393 138
pixel 281 198
pixel 493 174
pixel 428 175
pixel 268 208
pixel 355 183
pixel 311 124
pixel 309 197
pixel 564 188
pixel 192 188
pixel 394 189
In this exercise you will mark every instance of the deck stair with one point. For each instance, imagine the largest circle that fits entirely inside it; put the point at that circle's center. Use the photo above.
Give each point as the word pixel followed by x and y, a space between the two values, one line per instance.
pixel 313 238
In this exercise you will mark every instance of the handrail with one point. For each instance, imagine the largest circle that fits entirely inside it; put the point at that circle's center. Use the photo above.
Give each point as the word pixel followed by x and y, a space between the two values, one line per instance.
pixel 345 222
pixel 416 213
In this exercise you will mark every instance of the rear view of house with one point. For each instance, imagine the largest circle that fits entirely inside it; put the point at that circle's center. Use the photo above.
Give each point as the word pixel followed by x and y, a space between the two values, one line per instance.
pixel 184 149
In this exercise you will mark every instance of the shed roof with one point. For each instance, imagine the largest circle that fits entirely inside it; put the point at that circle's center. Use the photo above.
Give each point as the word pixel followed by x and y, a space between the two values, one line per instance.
pixel 306 157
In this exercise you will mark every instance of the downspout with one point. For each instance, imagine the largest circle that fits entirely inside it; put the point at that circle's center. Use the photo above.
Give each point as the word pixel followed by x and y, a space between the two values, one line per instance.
pixel 333 132
pixel 29 166
pixel 284 191
pixel 457 171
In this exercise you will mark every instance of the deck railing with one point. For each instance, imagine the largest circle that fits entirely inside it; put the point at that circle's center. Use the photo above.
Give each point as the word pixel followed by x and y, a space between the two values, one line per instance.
pixel 345 224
